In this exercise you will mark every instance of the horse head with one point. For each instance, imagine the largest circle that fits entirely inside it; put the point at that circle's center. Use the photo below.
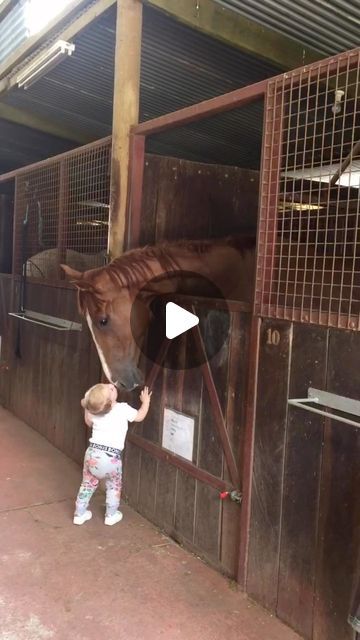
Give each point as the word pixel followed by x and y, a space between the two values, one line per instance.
pixel 117 307
pixel 116 321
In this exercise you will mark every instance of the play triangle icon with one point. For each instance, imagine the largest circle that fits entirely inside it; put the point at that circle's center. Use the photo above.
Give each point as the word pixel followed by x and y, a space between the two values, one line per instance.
pixel 178 320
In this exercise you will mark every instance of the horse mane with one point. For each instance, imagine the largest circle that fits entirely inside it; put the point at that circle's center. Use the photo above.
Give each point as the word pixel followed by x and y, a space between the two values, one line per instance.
pixel 134 266
pixel 130 269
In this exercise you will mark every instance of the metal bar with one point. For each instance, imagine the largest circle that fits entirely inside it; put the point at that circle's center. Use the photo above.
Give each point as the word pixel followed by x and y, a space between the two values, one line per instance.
pixel 300 404
pixel 356 222
pixel 324 67
pixel 259 258
pixel 51 322
pixel 334 401
pixel 180 463
pixel 354 152
pixel 63 215
pixel 275 104
pixel 314 316
pixel 137 160
pixel 216 407
pixel 297 151
pixel 239 97
pixel 248 453
pixel 15 238
pixel 205 109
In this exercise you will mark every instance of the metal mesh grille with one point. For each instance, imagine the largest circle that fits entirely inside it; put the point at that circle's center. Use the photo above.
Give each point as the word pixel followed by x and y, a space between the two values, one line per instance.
pixel 308 242
pixel 62 213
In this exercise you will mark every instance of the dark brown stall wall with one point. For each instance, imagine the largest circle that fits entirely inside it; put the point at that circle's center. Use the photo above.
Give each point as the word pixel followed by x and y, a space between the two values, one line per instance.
pixel 5 296
pixel 183 199
pixel 45 384
pixel 6 232
pixel 305 525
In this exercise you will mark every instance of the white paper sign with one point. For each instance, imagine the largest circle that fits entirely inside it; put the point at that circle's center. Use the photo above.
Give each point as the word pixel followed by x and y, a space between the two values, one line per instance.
pixel 178 433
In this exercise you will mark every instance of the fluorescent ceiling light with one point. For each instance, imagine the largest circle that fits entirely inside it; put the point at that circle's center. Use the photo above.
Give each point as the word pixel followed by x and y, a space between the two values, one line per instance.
pixel 349 178
pixel 299 206
pixel 43 63
pixel 94 203
pixel 92 223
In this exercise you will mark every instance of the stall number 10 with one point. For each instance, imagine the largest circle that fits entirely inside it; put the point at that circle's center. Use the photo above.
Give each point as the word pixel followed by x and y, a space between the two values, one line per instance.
pixel 273 337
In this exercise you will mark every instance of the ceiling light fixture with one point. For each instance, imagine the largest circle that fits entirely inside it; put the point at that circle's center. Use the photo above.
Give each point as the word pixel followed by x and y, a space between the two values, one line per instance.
pixel 299 206
pixel 92 223
pixel 43 63
pixel 350 177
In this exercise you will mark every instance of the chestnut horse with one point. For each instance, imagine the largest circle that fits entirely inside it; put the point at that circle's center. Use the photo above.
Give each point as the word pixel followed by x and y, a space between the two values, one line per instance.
pixel 106 295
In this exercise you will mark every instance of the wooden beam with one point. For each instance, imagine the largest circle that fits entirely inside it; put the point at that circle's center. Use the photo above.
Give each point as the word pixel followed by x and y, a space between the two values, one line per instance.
pixel 26 119
pixel 125 114
pixel 83 20
pixel 222 23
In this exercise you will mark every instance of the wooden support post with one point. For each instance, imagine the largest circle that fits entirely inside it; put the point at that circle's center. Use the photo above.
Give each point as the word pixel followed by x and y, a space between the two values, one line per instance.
pixel 125 114
pixel 136 178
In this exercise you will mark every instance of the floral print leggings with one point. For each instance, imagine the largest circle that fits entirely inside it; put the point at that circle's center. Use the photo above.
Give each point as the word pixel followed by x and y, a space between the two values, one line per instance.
pixel 100 465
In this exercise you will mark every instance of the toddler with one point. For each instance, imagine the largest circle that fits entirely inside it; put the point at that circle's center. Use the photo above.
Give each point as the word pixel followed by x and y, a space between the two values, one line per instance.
pixel 109 421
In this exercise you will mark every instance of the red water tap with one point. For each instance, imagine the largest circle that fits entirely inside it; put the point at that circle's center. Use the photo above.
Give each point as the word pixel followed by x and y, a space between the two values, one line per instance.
pixel 234 495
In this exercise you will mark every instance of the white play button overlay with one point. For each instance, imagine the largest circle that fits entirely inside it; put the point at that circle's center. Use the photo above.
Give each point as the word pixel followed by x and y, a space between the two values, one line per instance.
pixel 178 320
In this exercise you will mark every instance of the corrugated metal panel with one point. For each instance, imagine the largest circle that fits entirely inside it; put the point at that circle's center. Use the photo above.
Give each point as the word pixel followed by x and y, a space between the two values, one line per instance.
pixel 232 138
pixel 179 67
pixel 13 30
pixel 329 26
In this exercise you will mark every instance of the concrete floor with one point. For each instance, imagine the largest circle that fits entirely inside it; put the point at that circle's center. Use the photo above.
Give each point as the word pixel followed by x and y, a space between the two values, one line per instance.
pixel 77 583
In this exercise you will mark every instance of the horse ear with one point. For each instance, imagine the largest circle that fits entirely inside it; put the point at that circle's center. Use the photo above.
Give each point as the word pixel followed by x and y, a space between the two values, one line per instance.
pixel 77 278
pixel 72 273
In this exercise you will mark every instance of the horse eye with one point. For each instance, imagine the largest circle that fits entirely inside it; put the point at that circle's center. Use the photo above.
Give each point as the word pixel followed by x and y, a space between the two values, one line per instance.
pixel 103 322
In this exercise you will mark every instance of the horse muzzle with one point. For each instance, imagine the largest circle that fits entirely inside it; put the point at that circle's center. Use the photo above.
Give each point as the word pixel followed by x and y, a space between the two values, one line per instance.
pixel 128 378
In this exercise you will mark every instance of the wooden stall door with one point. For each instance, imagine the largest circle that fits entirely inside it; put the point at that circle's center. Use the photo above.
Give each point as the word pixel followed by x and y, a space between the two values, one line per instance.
pixel 192 200
pixel 186 503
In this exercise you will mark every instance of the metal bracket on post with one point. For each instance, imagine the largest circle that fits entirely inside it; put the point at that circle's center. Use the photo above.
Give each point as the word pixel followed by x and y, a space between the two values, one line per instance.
pixel 331 400
pixel 51 322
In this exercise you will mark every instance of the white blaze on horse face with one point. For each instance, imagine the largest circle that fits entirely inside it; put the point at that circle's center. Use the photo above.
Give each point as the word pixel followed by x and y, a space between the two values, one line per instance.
pixel 101 355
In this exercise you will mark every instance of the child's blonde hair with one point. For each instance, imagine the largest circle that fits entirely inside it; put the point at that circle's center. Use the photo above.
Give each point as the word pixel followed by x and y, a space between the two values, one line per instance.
pixel 96 400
